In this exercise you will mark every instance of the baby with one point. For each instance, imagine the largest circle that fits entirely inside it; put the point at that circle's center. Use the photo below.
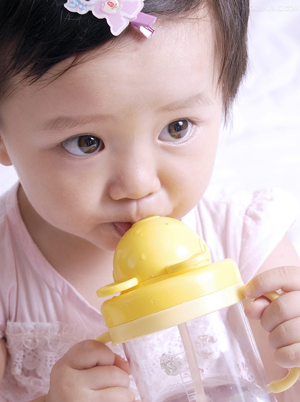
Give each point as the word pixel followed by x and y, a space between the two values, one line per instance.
pixel 107 123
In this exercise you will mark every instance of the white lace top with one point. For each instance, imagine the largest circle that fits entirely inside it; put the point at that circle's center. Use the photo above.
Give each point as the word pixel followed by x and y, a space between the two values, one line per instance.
pixel 42 315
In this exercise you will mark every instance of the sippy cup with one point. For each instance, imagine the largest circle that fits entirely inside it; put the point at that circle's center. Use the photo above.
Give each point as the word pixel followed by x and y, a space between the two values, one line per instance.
pixel 181 321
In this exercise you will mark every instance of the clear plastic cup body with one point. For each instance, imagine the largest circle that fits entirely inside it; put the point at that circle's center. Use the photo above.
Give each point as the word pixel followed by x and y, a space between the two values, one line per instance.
pixel 210 359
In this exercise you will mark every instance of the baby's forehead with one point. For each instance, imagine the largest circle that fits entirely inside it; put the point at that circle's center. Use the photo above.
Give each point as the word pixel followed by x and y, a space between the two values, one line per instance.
pixel 173 41
pixel 178 58
pixel 175 65
pixel 60 36
pixel 198 30
pixel 176 38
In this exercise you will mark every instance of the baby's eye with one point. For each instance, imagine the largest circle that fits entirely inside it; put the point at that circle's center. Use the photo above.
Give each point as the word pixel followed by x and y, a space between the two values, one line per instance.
pixel 177 130
pixel 83 145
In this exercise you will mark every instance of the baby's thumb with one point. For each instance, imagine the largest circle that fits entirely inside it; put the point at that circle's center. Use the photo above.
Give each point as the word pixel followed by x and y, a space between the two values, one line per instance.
pixel 255 308
pixel 122 363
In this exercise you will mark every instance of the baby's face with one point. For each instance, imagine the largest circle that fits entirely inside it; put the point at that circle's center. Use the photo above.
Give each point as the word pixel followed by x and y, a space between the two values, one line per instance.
pixel 124 135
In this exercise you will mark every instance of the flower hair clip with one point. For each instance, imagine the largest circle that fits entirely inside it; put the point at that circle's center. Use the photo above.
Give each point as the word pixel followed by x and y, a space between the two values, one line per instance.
pixel 118 13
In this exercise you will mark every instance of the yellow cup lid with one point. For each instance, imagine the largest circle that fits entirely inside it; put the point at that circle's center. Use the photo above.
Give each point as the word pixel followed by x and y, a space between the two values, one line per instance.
pixel 161 263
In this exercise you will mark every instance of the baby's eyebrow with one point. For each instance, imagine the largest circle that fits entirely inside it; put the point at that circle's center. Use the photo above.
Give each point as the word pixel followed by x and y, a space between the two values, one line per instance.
pixel 69 122
pixel 195 100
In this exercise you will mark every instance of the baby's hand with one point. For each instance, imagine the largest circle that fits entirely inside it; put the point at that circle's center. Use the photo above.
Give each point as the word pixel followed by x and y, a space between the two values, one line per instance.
pixel 281 317
pixel 90 371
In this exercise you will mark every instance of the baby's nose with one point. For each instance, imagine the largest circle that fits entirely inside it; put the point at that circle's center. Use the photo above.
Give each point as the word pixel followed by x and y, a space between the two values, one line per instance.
pixel 135 176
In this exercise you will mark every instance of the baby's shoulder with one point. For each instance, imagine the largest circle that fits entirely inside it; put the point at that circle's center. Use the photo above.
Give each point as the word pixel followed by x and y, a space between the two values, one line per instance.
pixel 258 205
pixel 8 202
pixel 246 226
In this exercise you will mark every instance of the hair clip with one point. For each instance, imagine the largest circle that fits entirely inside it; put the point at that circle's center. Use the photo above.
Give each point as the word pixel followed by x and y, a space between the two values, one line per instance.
pixel 118 13
pixel 143 23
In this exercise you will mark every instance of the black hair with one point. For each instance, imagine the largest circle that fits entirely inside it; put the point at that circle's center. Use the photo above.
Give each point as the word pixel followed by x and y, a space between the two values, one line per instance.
pixel 37 34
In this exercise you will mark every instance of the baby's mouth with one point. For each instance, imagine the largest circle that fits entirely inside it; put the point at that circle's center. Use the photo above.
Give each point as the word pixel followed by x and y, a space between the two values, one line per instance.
pixel 122 227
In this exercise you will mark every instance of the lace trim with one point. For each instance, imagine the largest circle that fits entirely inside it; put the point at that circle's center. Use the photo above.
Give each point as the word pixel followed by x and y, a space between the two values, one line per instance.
pixel 33 348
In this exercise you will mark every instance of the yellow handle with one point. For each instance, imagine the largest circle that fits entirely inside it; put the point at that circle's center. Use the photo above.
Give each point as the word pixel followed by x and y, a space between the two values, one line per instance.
pixel 104 338
pixel 287 382
pixel 277 386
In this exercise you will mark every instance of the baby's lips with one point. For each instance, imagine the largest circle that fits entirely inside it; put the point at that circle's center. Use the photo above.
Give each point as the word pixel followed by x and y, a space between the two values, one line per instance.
pixel 122 227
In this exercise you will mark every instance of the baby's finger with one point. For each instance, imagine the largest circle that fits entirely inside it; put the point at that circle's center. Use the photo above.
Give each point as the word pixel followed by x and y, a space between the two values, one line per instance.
pixel 254 309
pixel 286 307
pixel 285 334
pixel 87 354
pixel 101 377
pixel 113 395
pixel 288 356
pixel 285 278
pixel 122 363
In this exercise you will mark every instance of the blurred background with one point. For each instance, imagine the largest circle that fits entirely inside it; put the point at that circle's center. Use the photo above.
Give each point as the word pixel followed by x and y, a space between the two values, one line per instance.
pixel 260 147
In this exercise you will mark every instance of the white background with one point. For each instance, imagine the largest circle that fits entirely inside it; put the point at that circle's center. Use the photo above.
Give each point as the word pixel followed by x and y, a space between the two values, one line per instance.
pixel 262 146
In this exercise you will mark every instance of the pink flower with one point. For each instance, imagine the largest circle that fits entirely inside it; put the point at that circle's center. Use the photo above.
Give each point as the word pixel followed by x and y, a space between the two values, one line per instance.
pixel 118 13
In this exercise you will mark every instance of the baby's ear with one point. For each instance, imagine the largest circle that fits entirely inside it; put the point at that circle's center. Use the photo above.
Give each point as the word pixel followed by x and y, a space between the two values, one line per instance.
pixel 4 158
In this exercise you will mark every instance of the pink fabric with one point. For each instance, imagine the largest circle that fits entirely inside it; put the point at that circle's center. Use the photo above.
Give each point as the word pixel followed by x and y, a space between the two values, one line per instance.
pixel 42 315
pixel 245 227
